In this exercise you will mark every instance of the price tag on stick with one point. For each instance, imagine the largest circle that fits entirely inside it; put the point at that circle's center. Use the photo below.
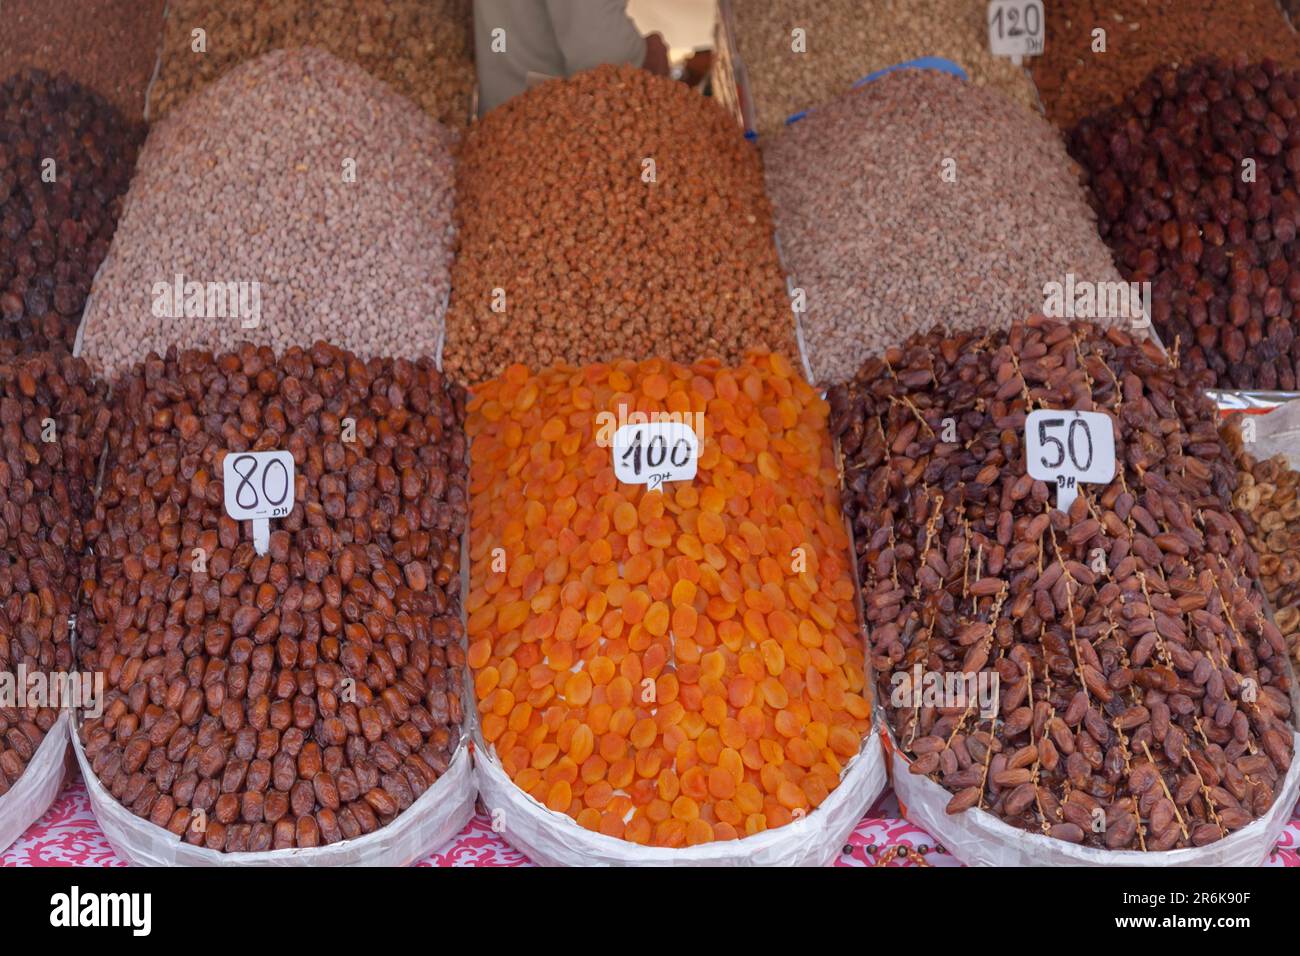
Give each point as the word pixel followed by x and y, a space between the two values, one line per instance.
pixel 1016 28
pixel 1070 448
pixel 258 486
pixel 653 453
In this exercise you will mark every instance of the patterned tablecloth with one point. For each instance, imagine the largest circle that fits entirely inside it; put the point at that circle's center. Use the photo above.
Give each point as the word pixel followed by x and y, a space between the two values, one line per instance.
pixel 69 836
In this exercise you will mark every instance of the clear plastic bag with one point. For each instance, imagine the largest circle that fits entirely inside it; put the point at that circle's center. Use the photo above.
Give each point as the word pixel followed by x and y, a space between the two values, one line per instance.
pixel 29 798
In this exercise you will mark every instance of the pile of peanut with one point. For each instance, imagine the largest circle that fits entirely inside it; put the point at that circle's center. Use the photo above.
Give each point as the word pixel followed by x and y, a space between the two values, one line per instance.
pixel 304 185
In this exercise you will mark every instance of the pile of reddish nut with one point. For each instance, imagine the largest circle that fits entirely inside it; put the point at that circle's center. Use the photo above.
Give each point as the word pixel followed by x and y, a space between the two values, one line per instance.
pixel 615 214
pixel 53 420
pixel 310 694
pixel 1142 693
pixel 1194 180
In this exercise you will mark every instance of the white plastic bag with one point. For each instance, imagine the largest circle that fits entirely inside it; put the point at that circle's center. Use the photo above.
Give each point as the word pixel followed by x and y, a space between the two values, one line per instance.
pixel 29 798
pixel 978 838
pixel 438 815
pixel 555 839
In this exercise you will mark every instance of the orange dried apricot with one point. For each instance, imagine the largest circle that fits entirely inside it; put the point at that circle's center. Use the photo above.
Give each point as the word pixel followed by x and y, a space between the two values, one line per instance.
pixel 667 667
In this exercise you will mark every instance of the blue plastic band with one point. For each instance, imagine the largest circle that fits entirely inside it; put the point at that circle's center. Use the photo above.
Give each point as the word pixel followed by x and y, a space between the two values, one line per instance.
pixel 936 63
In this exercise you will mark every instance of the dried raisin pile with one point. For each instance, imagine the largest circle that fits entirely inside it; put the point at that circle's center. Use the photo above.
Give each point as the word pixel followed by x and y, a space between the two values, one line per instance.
pixel 672 666
pixel 53 421
pixel 1268 507
pixel 1142 694
pixel 307 695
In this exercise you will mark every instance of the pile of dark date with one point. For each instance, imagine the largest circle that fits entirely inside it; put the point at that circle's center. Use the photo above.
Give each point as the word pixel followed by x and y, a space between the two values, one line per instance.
pixel 1194 180
pixel 303 696
pixel 53 419
pixel 66 159
pixel 1143 695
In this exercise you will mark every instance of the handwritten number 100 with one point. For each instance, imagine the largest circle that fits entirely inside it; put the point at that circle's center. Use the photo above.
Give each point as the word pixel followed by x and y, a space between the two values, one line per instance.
pixel 657 452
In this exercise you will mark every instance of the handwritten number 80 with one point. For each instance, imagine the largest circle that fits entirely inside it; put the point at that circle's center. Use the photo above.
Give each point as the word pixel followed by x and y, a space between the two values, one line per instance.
pixel 246 482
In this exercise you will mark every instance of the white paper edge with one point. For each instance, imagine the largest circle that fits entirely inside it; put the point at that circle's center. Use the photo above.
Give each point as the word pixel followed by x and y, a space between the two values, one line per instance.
pixel 549 838
pixel 978 838
pixel 439 814
pixel 157 62
pixel 34 791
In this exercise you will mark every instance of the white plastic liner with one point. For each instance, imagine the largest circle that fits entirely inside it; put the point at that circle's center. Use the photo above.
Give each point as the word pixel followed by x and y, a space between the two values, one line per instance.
pixel 31 796
pixel 438 815
pixel 978 838
pixel 1276 433
pixel 555 839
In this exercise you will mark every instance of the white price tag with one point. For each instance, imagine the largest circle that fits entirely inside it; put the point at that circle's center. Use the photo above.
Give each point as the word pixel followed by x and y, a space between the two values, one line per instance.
pixel 259 486
pixel 1070 448
pixel 653 453
pixel 1016 28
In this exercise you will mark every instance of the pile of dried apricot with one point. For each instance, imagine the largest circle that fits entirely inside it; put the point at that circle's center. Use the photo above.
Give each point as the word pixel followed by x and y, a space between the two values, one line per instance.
pixel 672 666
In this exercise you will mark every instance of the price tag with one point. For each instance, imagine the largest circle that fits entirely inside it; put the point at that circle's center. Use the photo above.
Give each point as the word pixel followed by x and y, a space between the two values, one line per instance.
pixel 1070 448
pixel 656 452
pixel 1016 28
pixel 259 486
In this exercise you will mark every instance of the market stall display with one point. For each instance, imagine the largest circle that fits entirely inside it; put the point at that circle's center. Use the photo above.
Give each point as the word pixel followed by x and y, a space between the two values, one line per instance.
pixel 53 422
pixel 1142 694
pixel 611 214
pixel 880 200
pixel 667 667
pixel 1078 76
pixel 661 479
pixel 66 159
pixel 421 48
pixel 297 198
pixel 304 696
pixel 1193 178
pixel 108 46
pixel 801 54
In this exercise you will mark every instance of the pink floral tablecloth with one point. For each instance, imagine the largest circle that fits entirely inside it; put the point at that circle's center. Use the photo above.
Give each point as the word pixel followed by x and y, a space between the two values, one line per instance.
pixel 69 836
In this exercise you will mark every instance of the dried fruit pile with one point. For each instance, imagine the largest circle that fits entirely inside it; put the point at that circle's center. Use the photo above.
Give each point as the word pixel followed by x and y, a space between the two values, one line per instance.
pixel 1268 508
pixel 421 48
pixel 1143 35
pixel 1152 692
pixel 844 40
pixel 304 175
pixel 668 667
pixel 614 214
pixel 53 421
pixel 304 696
pixel 1194 181
pixel 109 46
pixel 884 245
pixel 54 234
